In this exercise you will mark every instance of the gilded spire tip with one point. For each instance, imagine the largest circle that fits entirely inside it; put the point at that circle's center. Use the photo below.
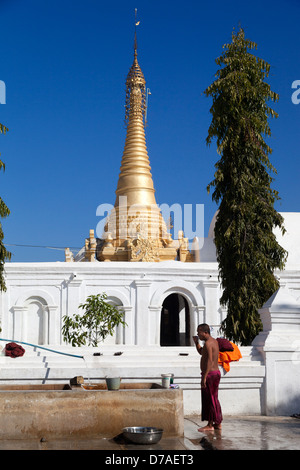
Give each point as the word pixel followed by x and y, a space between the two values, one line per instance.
pixel 136 23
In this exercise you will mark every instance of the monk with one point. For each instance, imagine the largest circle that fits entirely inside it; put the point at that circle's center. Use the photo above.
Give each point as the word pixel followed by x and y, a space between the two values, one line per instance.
pixel 210 378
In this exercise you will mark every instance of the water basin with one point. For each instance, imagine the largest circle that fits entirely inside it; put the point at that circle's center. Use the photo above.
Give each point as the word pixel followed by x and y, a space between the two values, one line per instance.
pixel 48 411
pixel 142 435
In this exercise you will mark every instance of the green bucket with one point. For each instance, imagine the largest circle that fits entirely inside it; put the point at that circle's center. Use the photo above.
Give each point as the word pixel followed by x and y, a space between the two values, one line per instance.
pixel 113 383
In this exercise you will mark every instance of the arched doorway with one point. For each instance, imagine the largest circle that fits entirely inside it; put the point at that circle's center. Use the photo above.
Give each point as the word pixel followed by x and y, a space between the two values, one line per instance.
pixel 175 321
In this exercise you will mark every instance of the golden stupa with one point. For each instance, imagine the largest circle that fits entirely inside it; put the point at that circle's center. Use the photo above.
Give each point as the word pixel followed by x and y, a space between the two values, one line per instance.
pixel 135 229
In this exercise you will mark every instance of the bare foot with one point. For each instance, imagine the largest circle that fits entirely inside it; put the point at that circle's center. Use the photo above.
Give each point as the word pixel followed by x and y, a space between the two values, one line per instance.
pixel 206 428
pixel 218 427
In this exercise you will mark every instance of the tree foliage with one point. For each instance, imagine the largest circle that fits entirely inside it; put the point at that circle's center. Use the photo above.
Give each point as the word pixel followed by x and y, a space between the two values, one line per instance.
pixel 247 250
pixel 95 324
pixel 4 212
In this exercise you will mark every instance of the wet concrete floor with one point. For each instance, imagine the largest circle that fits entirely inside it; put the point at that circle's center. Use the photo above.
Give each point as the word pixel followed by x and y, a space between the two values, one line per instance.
pixel 238 433
pixel 248 433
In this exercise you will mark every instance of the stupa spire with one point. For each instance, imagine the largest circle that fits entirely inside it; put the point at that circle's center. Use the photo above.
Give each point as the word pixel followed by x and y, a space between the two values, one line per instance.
pixel 135 179
pixel 135 229
pixel 136 219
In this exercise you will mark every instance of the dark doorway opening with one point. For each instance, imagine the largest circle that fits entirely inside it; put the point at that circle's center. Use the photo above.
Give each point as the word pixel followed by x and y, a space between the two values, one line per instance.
pixel 175 321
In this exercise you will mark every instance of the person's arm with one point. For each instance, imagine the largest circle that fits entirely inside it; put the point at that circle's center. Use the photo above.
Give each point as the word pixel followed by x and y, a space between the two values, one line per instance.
pixel 197 344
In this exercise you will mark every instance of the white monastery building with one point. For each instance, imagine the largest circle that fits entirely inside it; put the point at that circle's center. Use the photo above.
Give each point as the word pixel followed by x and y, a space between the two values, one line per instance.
pixel 165 291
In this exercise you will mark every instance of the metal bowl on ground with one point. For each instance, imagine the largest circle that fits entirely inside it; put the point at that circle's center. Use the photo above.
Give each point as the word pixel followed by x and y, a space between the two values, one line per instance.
pixel 143 435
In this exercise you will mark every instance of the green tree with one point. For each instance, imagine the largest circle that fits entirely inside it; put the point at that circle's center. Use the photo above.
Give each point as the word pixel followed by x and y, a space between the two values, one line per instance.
pixel 95 324
pixel 4 212
pixel 247 250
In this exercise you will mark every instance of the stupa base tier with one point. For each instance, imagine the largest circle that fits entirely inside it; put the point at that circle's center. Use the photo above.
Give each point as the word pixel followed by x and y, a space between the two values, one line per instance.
pixel 138 250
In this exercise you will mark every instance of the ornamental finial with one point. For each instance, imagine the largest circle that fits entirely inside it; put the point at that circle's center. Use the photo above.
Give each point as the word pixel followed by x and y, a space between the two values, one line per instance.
pixel 135 102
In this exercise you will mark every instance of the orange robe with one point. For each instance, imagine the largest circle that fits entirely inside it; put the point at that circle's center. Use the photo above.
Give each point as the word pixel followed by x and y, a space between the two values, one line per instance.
pixel 227 356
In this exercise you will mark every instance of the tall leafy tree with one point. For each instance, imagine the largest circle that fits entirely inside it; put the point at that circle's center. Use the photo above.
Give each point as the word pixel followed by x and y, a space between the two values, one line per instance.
pixel 247 250
pixel 4 212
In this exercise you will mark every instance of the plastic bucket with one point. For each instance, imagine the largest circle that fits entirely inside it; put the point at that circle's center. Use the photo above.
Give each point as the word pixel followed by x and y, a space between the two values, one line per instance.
pixel 113 383
pixel 166 380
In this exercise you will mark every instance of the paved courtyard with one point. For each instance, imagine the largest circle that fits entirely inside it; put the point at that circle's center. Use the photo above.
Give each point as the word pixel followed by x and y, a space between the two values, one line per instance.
pixel 238 433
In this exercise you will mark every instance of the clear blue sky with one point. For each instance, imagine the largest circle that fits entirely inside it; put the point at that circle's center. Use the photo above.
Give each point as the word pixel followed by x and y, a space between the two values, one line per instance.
pixel 64 64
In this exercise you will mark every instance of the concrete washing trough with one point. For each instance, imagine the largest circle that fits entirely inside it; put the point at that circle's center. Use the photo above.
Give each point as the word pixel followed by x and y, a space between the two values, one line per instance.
pixel 87 410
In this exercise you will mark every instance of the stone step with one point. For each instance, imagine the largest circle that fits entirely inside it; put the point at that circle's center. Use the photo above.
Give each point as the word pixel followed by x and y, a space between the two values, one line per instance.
pixel 246 351
pixel 169 364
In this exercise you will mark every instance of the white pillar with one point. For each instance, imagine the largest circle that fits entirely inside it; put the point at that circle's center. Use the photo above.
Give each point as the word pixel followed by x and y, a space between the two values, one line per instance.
pixel 54 324
pixel 279 344
pixel 142 312
pixel 18 323
pixel 129 328
pixel 197 318
pixel 154 325
pixel 74 297
pixel 212 317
